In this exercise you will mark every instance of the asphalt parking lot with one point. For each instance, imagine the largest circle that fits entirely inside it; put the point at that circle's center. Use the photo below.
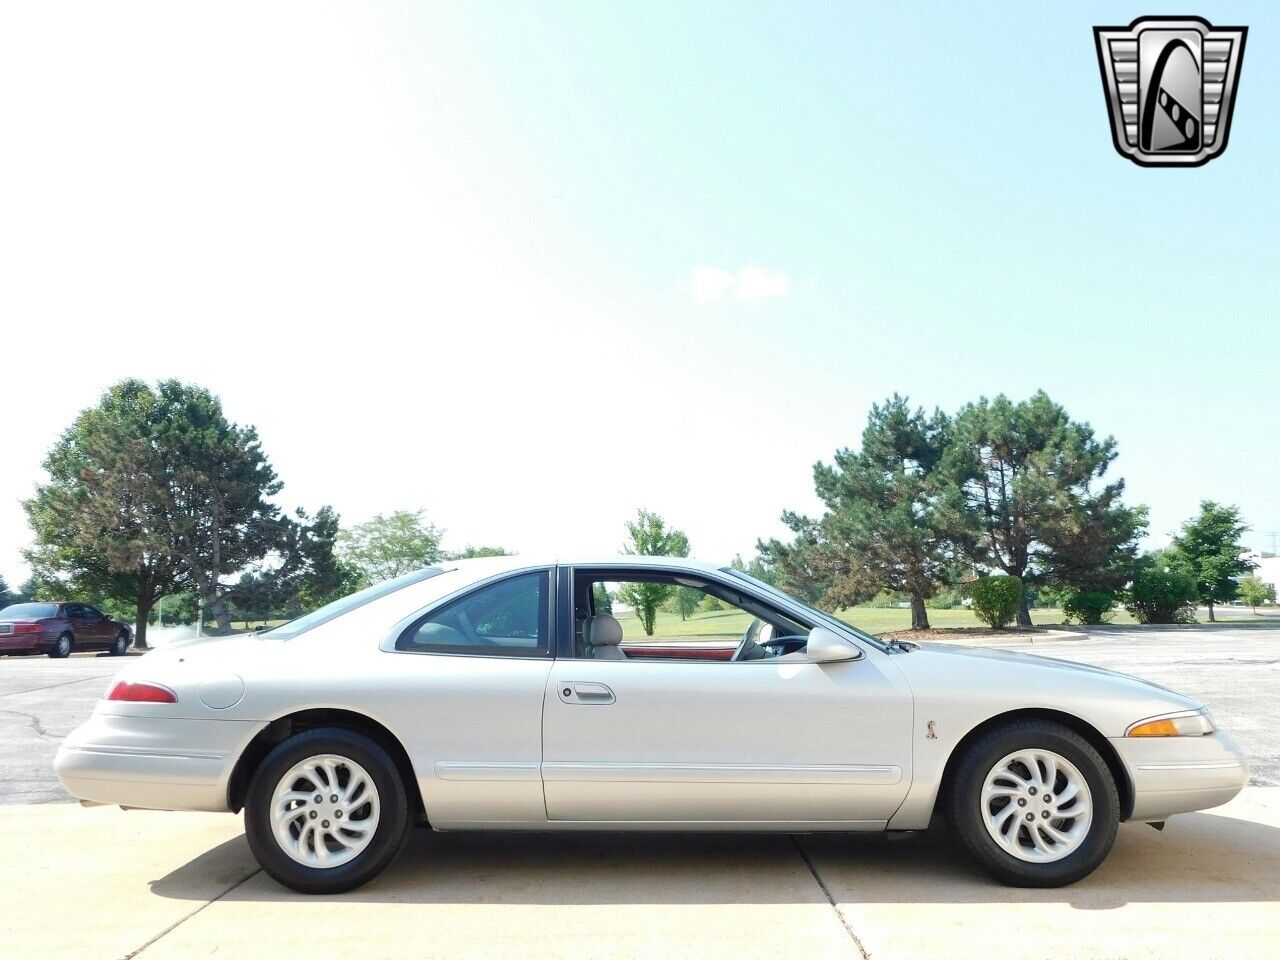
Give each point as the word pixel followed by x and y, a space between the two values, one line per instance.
pixel 104 883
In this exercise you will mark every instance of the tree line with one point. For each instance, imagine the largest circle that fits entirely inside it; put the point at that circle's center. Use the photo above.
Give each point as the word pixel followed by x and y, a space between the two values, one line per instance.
pixel 153 493
pixel 1008 501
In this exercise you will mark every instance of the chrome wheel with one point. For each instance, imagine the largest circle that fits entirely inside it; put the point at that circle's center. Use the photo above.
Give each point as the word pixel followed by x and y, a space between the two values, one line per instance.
pixel 324 811
pixel 1036 805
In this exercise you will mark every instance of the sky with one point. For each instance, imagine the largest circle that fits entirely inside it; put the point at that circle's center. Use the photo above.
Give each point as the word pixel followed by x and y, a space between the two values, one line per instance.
pixel 530 267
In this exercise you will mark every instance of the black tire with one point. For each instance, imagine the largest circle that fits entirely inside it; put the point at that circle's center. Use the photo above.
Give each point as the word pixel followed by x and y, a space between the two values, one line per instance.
pixel 388 837
pixel 62 649
pixel 120 645
pixel 965 813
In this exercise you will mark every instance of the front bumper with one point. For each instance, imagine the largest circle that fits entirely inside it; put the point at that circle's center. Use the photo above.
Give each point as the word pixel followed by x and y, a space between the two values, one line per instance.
pixel 157 763
pixel 1180 774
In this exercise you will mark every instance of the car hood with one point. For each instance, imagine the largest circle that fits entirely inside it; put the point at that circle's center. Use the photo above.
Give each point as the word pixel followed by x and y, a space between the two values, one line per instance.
pixel 1016 659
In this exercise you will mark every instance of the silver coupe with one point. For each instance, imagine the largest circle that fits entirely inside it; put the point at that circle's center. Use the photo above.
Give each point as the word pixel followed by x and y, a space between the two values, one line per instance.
pixel 634 693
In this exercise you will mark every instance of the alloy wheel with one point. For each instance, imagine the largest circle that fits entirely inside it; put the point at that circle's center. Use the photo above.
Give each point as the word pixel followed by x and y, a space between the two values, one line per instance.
pixel 324 811
pixel 1036 805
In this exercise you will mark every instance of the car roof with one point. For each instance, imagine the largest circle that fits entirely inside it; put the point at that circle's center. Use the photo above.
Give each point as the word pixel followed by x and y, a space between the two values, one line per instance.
pixel 488 566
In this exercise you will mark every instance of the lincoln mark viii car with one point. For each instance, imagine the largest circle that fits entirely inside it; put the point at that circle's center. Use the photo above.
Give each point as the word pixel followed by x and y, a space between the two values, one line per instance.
pixel 507 694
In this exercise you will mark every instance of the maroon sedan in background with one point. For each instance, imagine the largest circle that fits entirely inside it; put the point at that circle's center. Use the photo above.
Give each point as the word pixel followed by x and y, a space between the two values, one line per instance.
pixel 60 628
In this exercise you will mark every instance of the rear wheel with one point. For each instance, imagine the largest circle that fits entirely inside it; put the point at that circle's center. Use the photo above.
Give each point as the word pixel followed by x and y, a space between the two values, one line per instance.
pixel 120 644
pixel 62 649
pixel 1035 804
pixel 326 811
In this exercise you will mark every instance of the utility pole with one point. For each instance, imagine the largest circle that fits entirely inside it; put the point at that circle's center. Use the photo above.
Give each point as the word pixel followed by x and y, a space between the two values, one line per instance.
pixel 199 616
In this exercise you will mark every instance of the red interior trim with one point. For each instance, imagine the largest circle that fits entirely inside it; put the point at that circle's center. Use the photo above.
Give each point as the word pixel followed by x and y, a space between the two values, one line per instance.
pixel 642 651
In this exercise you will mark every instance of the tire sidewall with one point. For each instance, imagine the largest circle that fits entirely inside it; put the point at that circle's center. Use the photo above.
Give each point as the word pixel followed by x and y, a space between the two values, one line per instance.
pixel 393 811
pixel 966 806
pixel 120 645
pixel 58 652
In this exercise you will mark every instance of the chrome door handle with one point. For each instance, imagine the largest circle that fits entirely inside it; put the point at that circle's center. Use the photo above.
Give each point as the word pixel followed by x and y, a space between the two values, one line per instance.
pixel 572 691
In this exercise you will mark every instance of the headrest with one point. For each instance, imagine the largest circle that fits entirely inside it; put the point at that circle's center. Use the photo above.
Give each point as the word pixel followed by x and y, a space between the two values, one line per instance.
pixel 602 631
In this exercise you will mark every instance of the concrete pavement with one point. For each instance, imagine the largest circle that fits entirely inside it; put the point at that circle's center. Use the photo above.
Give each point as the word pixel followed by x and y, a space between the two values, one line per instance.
pixel 102 883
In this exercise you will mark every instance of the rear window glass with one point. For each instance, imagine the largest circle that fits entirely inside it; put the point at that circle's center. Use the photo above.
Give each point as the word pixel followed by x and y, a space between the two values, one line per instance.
pixel 29 611
pixel 330 611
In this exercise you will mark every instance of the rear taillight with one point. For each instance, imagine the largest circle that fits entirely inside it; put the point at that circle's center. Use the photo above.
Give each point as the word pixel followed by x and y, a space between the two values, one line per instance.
pixel 141 693
pixel 27 628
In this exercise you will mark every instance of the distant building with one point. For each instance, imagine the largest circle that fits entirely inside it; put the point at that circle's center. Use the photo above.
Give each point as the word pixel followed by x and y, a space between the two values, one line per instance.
pixel 1266 569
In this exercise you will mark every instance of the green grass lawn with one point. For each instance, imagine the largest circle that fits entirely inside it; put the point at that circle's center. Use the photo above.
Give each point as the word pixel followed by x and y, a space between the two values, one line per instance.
pixel 874 620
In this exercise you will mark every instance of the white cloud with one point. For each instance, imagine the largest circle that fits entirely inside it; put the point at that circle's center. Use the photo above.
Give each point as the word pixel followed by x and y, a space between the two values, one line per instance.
pixel 750 284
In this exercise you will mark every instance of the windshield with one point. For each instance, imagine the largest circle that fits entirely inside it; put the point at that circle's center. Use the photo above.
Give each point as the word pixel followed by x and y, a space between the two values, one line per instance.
pixel 329 611
pixel 812 611
pixel 29 611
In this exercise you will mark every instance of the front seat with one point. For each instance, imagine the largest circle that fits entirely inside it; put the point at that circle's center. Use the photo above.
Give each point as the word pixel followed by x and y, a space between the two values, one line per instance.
pixel 602 635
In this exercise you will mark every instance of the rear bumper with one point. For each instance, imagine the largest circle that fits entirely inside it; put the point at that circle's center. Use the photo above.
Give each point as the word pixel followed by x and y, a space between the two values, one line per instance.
pixel 153 763
pixel 26 643
pixel 1180 774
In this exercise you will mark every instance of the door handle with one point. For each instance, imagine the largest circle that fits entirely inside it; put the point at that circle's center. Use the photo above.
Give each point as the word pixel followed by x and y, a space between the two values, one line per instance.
pixel 573 691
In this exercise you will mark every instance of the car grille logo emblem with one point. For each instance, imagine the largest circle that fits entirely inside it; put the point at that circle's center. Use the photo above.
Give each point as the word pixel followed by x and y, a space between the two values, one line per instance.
pixel 1170 84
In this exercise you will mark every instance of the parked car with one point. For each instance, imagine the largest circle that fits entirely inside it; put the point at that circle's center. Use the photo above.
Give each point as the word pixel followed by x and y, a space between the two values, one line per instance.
pixel 501 694
pixel 58 629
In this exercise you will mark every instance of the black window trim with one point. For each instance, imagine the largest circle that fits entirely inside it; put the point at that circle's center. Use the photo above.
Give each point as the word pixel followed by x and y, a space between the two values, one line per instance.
pixel 415 620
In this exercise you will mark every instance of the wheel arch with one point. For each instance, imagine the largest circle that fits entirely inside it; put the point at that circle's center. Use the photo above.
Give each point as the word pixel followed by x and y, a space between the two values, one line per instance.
pixel 282 728
pixel 1085 729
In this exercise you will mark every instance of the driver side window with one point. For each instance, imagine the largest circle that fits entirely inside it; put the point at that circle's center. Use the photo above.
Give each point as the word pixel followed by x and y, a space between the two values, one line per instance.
pixel 503 619
pixel 665 617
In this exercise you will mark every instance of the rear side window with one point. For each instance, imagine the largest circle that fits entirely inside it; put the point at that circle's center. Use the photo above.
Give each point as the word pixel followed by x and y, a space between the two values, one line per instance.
pixel 503 619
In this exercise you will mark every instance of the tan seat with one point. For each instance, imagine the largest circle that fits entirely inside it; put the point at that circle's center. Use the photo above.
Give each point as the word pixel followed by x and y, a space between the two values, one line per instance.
pixel 602 634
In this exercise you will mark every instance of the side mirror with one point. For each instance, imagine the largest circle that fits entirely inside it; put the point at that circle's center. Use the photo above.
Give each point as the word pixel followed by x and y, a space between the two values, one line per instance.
pixel 827 646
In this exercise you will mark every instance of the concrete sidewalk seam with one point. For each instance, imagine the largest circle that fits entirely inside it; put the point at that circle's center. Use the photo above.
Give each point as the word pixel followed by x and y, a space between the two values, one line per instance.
pixel 180 921
pixel 857 941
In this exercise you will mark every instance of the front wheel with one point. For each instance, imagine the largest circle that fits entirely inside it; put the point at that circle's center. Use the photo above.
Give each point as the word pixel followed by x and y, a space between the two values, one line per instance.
pixel 62 649
pixel 1035 804
pixel 326 811
pixel 120 644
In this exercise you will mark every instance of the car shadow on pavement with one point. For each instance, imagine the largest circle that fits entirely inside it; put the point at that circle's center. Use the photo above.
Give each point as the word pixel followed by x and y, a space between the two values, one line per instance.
pixel 1200 858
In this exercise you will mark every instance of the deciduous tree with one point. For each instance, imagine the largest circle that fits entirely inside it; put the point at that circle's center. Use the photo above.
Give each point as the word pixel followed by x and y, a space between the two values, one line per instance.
pixel 1255 592
pixel 1209 549
pixel 99 524
pixel 648 535
pixel 390 545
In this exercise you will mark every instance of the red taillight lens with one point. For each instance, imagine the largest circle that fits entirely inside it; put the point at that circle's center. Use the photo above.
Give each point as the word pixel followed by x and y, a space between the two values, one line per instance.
pixel 27 628
pixel 141 693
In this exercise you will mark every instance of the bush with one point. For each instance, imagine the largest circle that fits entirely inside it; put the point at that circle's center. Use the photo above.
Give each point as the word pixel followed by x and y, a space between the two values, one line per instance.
pixel 996 600
pixel 1087 606
pixel 1162 595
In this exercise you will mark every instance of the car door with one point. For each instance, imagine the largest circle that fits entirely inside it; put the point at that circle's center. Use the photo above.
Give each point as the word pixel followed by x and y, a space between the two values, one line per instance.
pixel 769 741
pixel 466 686
pixel 96 626
pixel 81 630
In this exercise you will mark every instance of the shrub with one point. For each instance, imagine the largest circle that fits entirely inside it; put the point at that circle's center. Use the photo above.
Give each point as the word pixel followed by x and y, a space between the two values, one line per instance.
pixel 1162 595
pixel 996 599
pixel 1087 606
